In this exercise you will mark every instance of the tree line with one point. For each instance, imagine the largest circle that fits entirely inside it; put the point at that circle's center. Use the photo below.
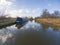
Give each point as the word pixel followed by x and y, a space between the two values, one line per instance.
pixel 47 14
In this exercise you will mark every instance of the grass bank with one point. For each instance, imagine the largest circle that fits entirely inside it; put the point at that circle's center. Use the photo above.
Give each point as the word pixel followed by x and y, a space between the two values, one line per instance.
pixel 7 21
pixel 51 21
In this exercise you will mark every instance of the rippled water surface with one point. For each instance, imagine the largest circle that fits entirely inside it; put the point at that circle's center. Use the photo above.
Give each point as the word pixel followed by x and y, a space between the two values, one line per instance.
pixel 31 33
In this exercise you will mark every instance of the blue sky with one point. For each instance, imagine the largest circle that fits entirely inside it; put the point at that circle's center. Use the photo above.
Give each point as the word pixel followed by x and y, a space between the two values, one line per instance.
pixel 48 4
pixel 32 7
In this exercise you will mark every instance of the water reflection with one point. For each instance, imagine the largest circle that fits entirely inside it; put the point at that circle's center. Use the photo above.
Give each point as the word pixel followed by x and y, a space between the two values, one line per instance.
pixel 7 33
pixel 4 26
pixel 30 33
pixel 20 25
pixel 45 26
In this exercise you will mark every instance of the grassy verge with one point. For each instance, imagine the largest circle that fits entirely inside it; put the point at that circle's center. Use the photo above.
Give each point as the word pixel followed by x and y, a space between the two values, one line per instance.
pixel 51 21
pixel 7 21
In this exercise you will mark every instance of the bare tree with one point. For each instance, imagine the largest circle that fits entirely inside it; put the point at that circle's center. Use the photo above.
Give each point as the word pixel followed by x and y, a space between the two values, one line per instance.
pixel 45 13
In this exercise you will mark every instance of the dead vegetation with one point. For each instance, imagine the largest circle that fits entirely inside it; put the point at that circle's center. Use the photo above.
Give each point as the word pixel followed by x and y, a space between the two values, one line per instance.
pixel 51 21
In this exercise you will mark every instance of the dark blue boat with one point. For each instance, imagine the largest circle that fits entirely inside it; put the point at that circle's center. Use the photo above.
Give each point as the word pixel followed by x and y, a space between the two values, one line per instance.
pixel 21 20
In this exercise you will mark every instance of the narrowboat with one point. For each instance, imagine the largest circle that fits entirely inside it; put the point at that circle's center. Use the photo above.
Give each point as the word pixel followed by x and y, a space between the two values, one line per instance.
pixel 21 20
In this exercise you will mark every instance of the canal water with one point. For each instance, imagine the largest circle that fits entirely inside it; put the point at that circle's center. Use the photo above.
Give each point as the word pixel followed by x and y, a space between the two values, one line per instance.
pixel 30 33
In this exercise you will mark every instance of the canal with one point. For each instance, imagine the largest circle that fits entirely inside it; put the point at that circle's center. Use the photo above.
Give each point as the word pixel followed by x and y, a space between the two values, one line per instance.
pixel 30 33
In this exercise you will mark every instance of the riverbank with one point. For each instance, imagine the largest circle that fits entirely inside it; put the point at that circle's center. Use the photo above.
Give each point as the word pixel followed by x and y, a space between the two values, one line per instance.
pixel 7 21
pixel 51 21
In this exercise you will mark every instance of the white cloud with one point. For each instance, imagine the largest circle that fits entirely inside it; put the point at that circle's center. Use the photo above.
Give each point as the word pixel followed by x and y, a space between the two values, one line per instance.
pixel 13 0
pixel 49 5
pixel 4 5
pixel 35 10
pixel 24 12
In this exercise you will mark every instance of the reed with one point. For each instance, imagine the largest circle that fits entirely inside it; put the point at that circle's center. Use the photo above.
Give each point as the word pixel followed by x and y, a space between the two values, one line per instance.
pixel 50 21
